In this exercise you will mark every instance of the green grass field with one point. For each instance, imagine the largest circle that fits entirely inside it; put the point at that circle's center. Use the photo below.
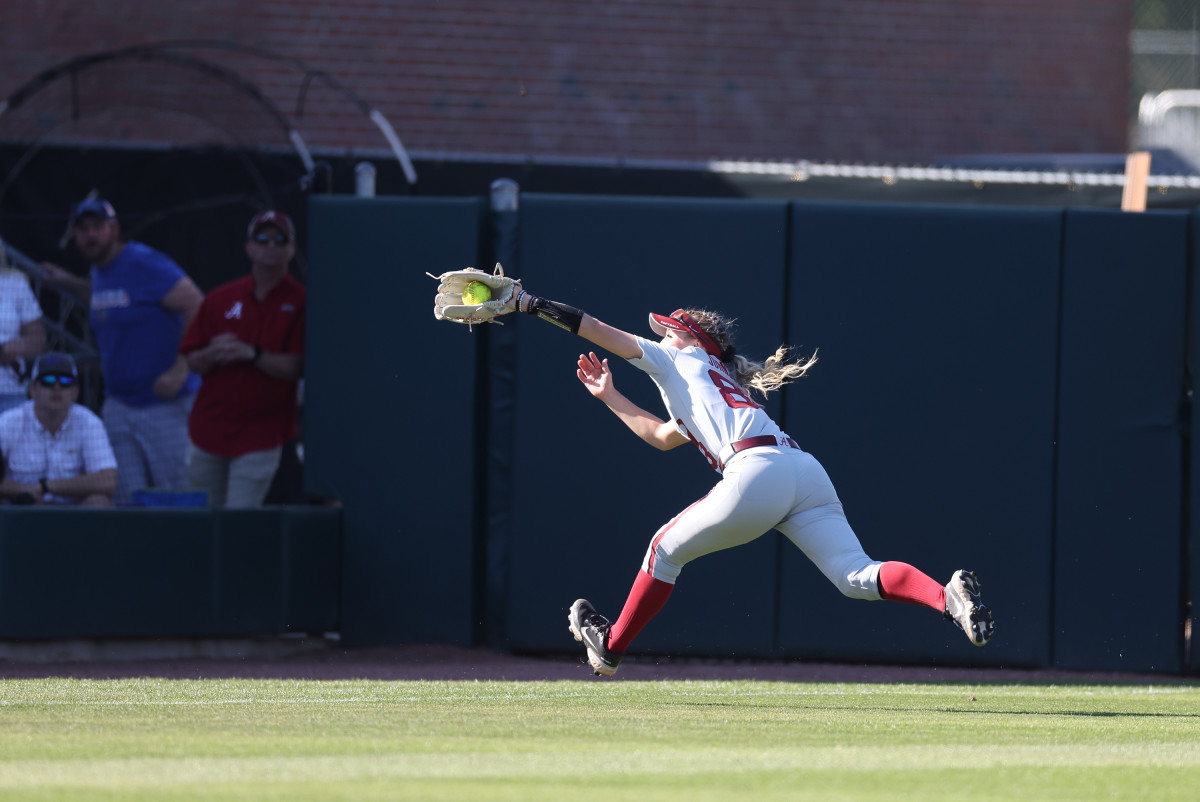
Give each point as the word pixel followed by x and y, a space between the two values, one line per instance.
pixel 153 739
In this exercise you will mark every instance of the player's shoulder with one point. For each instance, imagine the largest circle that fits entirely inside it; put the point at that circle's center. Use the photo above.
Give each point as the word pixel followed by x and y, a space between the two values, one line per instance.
pixel 655 353
pixel 652 352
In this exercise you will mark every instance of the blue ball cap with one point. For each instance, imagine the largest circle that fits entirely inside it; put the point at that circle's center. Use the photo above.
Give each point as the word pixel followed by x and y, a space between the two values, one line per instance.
pixel 55 363
pixel 97 207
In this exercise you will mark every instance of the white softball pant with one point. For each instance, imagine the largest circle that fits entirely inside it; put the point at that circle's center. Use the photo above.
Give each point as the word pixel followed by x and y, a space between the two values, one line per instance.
pixel 760 490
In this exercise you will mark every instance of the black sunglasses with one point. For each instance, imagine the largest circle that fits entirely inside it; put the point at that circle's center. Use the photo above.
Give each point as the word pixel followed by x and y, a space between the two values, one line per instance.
pixel 50 379
pixel 262 238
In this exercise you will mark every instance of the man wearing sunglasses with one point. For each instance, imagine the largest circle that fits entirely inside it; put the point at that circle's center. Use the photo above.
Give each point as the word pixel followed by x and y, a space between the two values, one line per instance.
pixel 56 451
pixel 141 303
pixel 247 344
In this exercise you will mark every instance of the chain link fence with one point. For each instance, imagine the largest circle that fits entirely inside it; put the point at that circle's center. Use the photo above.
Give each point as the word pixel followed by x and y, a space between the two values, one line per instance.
pixel 1165 76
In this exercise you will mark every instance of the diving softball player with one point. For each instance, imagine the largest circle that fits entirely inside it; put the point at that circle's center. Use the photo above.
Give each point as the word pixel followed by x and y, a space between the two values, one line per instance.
pixel 767 480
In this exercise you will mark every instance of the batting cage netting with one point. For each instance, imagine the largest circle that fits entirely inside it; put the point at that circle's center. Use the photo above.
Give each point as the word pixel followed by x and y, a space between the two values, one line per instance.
pixel 187 140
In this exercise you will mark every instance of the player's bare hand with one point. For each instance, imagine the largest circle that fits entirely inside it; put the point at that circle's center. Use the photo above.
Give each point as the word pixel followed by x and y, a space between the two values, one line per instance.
pixel 594 374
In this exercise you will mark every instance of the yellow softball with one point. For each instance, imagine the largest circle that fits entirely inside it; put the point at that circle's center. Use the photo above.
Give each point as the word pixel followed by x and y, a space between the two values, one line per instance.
pixel 476 293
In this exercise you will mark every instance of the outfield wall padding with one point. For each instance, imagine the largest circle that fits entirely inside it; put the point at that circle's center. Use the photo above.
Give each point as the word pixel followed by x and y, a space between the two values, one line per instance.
pixel 932 409
pixel 1001 389
pixel 589 494
pixel 1190 560
pixel 72 573
pixel 1117 578
pixel 390 412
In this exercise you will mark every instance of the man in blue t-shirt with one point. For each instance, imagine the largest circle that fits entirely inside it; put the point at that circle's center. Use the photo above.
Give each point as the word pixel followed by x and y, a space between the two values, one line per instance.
pixel 141 304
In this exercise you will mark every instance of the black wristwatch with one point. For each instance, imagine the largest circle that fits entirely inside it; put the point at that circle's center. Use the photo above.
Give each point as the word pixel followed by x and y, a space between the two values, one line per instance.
pixel 45 487
pixel 257 354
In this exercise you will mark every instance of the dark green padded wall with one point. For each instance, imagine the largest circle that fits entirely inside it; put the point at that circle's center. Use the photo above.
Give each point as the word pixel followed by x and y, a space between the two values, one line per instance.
pixel 932 408
pixel 589 494
pixel 73 573
pixel 1191 561
pixel 389 411
pixel 1118 559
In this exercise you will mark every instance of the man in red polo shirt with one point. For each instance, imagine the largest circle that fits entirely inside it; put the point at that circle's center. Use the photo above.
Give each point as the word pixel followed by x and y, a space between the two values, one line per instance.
pixel 247 343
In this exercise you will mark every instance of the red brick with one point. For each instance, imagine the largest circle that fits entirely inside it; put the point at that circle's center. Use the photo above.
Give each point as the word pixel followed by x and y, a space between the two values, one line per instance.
pixel 897 81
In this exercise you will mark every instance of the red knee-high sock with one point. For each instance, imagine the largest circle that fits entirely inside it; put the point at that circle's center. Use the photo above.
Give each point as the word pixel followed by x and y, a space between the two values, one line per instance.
pixel 646 598
pixel 903 583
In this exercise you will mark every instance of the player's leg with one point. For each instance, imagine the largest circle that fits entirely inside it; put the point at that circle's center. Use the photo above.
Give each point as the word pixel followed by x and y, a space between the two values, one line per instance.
pixel 825 536
pixel 646 599
pixel 958 600
pixel 904 583
pixel 756 493
pixel 746 503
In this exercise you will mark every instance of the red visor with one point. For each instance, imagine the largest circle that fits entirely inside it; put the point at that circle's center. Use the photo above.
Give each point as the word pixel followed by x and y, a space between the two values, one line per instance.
pixel 682 321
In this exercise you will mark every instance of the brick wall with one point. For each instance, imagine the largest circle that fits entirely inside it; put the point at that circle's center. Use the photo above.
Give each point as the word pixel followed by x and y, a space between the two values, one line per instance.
pixel 897 81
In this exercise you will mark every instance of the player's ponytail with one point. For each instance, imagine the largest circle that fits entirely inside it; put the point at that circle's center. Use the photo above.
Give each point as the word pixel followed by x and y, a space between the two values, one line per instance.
pixel 766 376
pixel 771 374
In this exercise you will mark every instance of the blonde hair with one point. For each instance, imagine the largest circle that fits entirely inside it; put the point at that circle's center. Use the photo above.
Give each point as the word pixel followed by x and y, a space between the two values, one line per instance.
pixel 772 373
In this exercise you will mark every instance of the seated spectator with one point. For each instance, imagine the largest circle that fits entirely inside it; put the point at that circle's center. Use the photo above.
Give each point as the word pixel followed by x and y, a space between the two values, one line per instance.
pixel 55 451
pixel 247 342
pixel 22 335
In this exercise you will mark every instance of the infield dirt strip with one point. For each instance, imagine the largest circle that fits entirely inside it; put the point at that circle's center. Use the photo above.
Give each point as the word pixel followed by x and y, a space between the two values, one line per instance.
pixel 251 661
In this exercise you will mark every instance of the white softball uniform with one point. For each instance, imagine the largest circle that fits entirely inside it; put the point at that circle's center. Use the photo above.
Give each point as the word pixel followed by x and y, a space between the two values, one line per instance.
pixel 767 481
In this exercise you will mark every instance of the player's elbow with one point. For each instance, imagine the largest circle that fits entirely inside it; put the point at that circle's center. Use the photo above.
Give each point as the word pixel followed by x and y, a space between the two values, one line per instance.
pixel 666 443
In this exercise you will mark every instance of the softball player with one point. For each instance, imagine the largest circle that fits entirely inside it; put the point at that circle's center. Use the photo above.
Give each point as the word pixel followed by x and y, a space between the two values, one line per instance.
pixel 767 481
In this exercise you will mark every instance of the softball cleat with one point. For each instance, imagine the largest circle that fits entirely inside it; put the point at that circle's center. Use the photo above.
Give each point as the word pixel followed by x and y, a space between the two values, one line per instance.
pixel 966 609
pixel 591 629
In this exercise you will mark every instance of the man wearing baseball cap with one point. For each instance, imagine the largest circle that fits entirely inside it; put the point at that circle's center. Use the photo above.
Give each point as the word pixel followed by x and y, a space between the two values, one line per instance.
pixel 141 303
pixel 55 450
pixel 247 341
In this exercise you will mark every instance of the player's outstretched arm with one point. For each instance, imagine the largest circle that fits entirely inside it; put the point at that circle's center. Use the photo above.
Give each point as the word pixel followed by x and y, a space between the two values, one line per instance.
pixel 595 375
pixel 610 338
pixel 576 321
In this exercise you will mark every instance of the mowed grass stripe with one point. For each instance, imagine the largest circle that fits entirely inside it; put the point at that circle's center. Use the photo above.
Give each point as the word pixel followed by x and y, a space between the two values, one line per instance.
pixel 252 739
pixel 472 760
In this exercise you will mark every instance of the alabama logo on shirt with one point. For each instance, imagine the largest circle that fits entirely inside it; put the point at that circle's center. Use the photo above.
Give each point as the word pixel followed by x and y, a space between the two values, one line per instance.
pixel 110 299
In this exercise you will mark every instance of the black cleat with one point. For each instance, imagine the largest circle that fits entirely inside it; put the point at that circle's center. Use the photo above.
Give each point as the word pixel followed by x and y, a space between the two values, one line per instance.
pixel 965 607
pixel 591 628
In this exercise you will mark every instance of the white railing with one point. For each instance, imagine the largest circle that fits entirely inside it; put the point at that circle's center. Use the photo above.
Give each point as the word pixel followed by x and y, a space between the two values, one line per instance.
pixel 1171 119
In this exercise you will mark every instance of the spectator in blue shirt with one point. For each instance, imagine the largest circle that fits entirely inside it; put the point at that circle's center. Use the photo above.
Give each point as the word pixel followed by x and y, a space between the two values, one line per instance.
pixel 141 303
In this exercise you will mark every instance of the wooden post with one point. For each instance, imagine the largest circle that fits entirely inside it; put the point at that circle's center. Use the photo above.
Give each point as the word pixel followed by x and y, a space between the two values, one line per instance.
pixel 1137 171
